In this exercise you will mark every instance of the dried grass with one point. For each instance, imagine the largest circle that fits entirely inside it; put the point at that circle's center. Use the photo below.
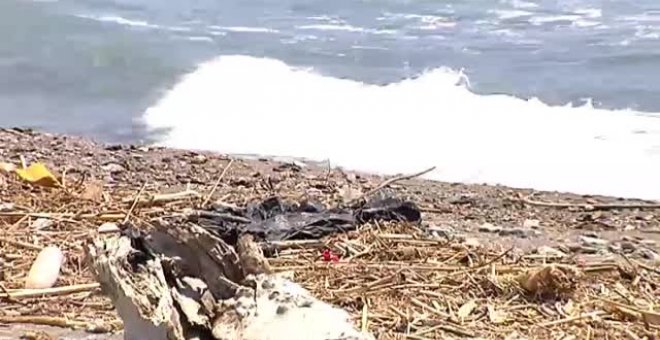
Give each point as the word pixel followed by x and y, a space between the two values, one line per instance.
pixel 394 279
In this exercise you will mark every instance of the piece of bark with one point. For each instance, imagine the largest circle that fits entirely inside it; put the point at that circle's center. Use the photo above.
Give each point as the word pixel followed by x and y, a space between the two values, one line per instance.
pixel 180 282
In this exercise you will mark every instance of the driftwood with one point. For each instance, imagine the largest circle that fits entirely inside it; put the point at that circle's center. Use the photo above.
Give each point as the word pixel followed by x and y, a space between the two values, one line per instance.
pixel 180 282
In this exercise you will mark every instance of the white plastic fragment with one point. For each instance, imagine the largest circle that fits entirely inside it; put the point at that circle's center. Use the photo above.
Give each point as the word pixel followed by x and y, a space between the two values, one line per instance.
pixel 45 269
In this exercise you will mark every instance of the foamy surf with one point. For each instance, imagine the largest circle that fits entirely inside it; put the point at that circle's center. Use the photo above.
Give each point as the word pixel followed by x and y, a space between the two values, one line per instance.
pixel 241 104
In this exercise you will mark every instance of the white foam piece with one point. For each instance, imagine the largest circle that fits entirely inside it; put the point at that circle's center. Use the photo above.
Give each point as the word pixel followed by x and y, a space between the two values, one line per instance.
pixel 241 104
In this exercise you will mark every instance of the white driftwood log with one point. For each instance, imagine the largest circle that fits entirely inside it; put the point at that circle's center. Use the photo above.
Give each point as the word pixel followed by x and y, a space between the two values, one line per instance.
pixel 188 284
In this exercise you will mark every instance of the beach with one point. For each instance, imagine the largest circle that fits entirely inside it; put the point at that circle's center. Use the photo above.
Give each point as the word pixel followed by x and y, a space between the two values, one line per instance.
pixel 463 227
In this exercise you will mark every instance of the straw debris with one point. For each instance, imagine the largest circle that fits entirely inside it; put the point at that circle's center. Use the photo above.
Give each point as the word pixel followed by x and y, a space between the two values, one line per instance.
pixel 396 280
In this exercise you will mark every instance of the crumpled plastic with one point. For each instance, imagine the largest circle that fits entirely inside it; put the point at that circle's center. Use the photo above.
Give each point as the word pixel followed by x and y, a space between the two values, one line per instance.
pixel 273 219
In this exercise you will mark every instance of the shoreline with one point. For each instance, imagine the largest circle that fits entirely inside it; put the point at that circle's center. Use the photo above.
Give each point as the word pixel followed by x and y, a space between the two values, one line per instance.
pixel 469 217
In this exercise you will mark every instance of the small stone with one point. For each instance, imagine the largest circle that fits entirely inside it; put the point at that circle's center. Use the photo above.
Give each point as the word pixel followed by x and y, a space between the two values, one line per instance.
pixel 471 242
pixel 593 241
pixel 651 255
pixel 42 223
pixel 489 228
pixel 45 269
pixel 445 232
pixel 549 251
pixel 629 227
pixel 113 168
pixel 108 227
pixel 532 224
pixel 591 234
pixel 588 250
pixel 519 232
pixel 627 238
pixel 6 207
pixel 628 246
pixel 281 309
pixel 647 243
pixel 199 159
pixel 615 248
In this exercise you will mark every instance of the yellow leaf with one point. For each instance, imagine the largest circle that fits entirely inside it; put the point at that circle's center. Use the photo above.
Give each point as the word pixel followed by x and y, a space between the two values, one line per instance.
pixel 466 309
pixel 38 174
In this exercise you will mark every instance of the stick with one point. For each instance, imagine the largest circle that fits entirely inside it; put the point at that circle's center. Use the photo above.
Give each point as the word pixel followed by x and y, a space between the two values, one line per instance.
pixel 135 202
pixel 588 206
pixel 43 320
pixel 573 318
pixel 28 293
pixel 365 315
pixel 217 183
pixel 391 181
pixel 20 244
pixel 161 198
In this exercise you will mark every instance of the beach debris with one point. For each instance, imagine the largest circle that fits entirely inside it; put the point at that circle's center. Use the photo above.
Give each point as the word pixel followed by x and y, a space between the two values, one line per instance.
pixel 529 223
pixel 554 280
pixel 6 207
pixel 446 232
pixel 273 219
pixel 42 223
pixel 93 191
pixel 108 227
pixel 593 241
pixel 466 309
pixel 45 269
pixel 489 228
pixel 329 256
pixel 38 174
pixel 7 167
pixel 216 291
pixel 113 168
pixel 550 252
pixel 496 316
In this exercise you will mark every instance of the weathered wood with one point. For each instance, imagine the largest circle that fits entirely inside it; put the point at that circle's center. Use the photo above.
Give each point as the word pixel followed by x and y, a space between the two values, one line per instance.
pixel 180 282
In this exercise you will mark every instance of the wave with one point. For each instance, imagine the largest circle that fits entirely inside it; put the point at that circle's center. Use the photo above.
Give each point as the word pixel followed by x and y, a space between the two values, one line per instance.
pixel 247 105
pixel 244 29
pixel 114 19
pixel 345 28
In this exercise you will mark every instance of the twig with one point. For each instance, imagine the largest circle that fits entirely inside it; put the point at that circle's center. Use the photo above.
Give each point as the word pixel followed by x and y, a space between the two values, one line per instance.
pixel 498 257
pixel 135 202
pixel 390 181
pixel 588 206
pixel 43 320
pixel 162 198
pixel 28 293
pixel 20 244
pixel 217 183
pixel 365 315
pixel 573 318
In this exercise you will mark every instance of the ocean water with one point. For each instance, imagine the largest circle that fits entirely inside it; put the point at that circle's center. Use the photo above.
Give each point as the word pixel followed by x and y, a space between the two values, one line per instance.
pixel 555 95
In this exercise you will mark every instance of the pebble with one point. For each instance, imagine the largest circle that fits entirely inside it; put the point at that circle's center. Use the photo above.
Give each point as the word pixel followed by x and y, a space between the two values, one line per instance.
pixel 6 207
pixel 532 224
pixel 593 241
pixel 45 269
pixel 113 168
pixel 648 243
pixel 199 159
pixel 628 246
pixel 42 223
pixel 651 255
pixel 444 232
pixel 629 227
pixel 549 251
pixel 489 228
pixel 472 242
pixel 108 227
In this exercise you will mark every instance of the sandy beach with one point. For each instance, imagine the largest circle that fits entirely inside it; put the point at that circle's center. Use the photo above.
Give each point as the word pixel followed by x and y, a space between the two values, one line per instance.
pixel 465 229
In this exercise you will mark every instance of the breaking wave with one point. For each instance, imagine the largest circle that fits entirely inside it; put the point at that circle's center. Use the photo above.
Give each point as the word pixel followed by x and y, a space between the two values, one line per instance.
pixel 241 104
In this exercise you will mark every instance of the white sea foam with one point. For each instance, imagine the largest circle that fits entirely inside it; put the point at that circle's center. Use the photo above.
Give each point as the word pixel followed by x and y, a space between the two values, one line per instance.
pixel 505 14
pixel 540 20
pixel 114 19
pixel 241 104
pixel 119 20
pixel 344 27
pixel 244 29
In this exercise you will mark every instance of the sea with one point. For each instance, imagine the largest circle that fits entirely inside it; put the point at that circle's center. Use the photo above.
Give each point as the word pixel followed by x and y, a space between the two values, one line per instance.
pixel 559 95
